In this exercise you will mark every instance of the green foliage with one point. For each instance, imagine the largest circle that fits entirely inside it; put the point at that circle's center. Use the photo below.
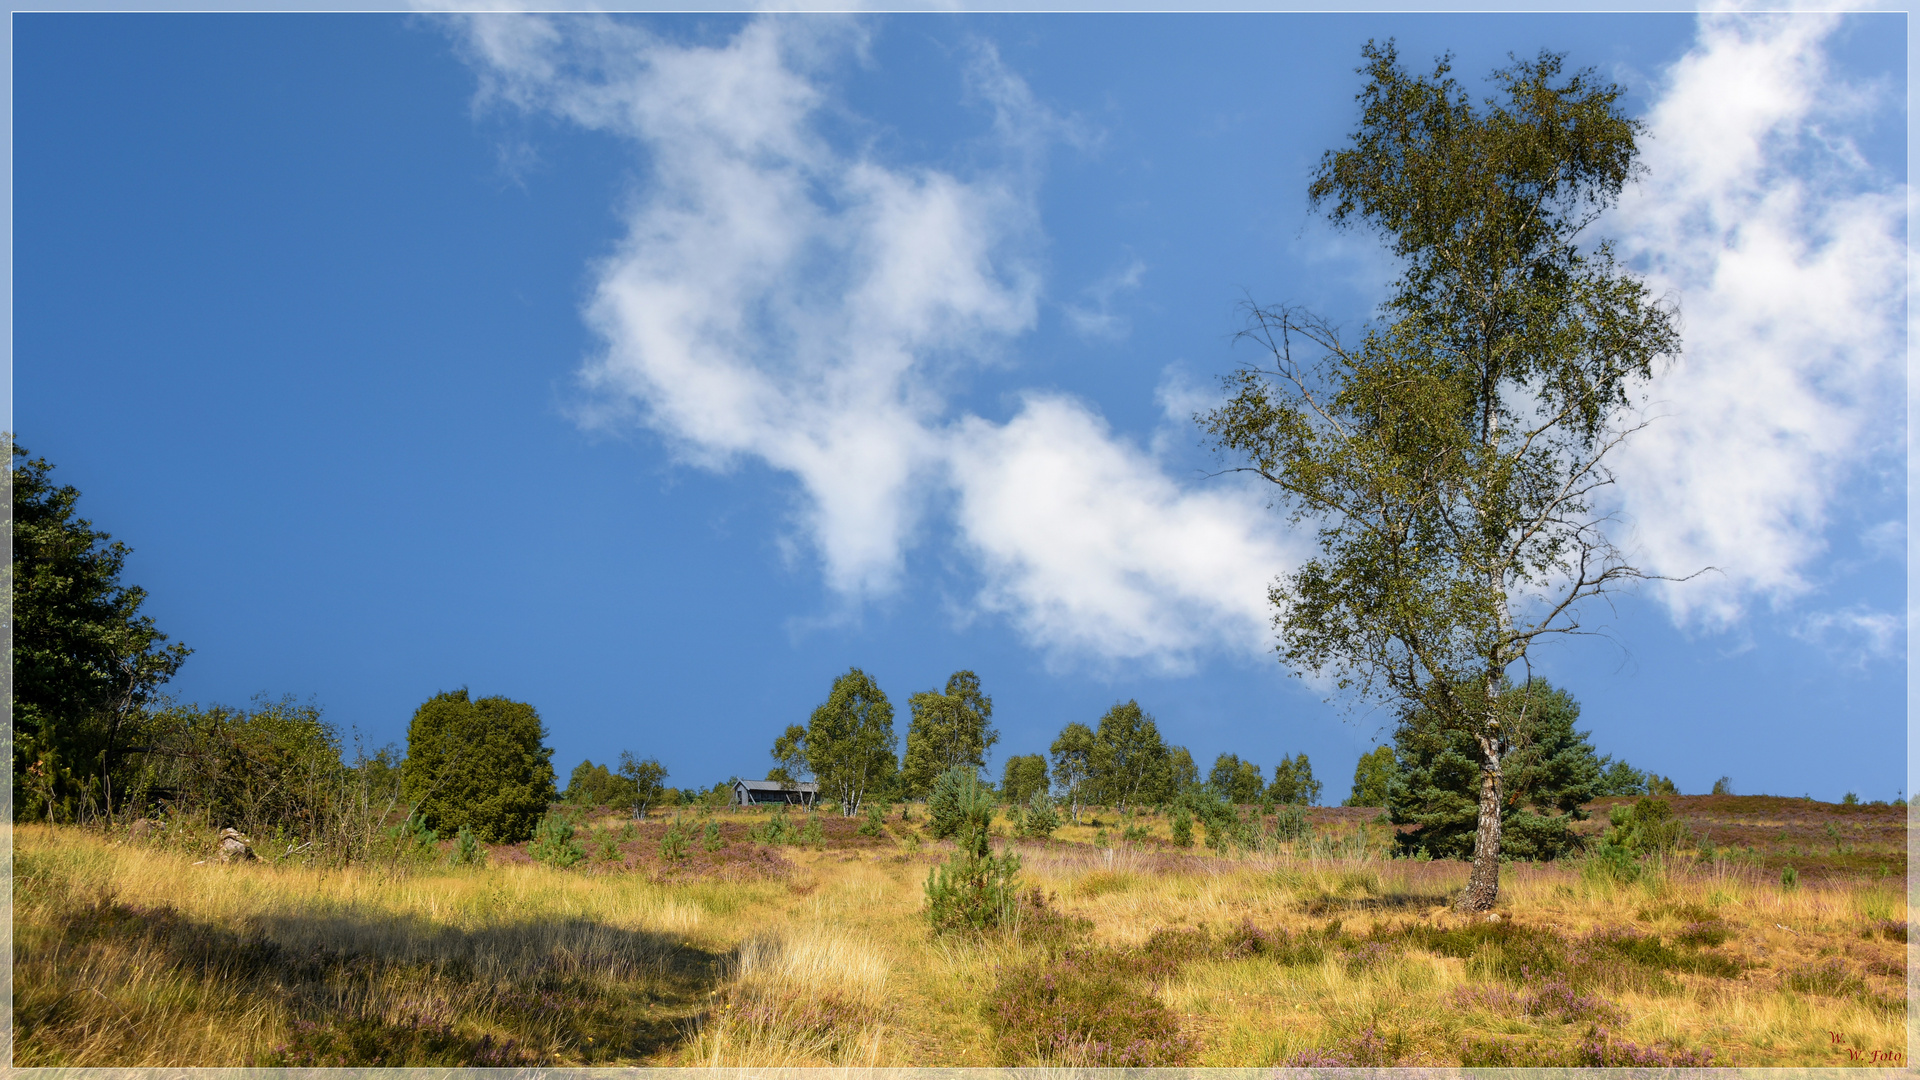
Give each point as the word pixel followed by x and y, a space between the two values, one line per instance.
pixel 711 839
pixel 1040 819
pixel 777 829
pixel 1450 458
pixel 1619 779
pixel 673 842
pixel 1085 1008
pixel 597 785
pixel 467 850
pixel 947 730
pixel 85 665
pixel 876 823
pixel 944 815
pixel 1073 763
pixel 1129 762
pixel 1234 780
pixel 1291 823
pixel 813 833
pixel 554 843
pixel 1181 823
pixel 1647 827
pixel 1024 774
pixel 1373 777
pixel 412 840
pixel 1789 878
pixel 790 756
pixel 974 889
pixel 1660 785
pixel 850 741
pixel 1724 786
pixel 482 764
pixel 641 782
pixel 1293 783
pixel 1547 775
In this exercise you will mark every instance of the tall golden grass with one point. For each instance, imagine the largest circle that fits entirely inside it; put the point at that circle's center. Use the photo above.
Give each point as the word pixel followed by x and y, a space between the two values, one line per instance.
pixel 132 956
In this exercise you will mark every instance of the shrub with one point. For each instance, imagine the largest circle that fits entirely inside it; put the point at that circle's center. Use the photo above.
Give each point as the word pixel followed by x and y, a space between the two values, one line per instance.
pixel 876 824
pixel 1723 786
pixel 1083 1008
pixel 553 841
pixel 673 842
pixel 1041 818
pixel 713 841
pixel 1368 1048
pixel 1600 1051
pixel 1290 823
pixel 1182 824
pixel 1789 878
pixel 974 889
pixel 412 839
pixel 814 833
pixel 944 817
pixel 1648 827
pixel 467 850
pixel 777 829
pixel 1830 977
pixel 479 763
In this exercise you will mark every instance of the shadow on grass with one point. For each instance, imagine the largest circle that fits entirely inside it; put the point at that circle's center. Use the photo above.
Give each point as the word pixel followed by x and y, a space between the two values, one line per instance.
pixel 363 989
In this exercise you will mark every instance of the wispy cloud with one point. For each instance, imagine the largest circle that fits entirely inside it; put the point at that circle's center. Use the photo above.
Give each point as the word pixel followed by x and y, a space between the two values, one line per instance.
pixel 1096 319
pixel 1786 255
pixel 1855 635
pixel 785 300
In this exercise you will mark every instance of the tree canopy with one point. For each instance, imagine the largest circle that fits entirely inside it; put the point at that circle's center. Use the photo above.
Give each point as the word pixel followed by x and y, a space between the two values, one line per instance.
pixel 1293 782
pixel 1024 775
pixel 850 741
pixel 1548 776
pixel 86 664
pixel 1451 458
pixel 480 764
pixel 1373 778
pixel 1235 781
pixel 1129 761
pixel 947 729
pixel 1072 754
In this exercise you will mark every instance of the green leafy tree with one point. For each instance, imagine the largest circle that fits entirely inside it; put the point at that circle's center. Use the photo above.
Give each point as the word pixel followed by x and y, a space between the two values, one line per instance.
pixel 1548 777
pixel 1024 775
pixel 790 757
pixel 1293 783
pixel 1373 778
pixel 1451 458
pixel 1129 761
pixel 1182 774
pixel 85 664
pixel 1073 764
pixel 1238 782
pixel 1617 778
pixel 481 764
pixel 1041 818
pixel 643 782
pixel 597 785
pixel 1661 785
pixel 947 729
pixel 850 741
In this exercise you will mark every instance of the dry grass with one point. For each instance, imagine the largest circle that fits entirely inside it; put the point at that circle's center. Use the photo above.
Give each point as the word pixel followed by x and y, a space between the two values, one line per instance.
pixel 127 955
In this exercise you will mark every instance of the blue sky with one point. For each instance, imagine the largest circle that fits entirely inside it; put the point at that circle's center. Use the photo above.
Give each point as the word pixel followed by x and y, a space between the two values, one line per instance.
pixel 657 370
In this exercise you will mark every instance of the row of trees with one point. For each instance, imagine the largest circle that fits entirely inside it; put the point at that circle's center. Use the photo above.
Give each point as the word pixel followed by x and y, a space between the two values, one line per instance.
pixel 848 745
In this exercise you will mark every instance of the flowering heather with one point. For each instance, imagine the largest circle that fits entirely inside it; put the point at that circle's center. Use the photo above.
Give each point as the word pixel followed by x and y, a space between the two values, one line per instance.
pixel 1602 1051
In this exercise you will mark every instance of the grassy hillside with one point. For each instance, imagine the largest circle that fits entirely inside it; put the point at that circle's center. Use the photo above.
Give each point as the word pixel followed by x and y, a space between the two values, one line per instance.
pixel 127 953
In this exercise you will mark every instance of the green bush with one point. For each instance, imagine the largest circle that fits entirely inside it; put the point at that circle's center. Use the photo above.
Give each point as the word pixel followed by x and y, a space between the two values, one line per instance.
pixel 814 833
pixel 1647 827
pixel 777 829
pixel 411 839
pixel 553 841
pixel 467 850
pixel 1290 823
pixel 975 889
pixel 876 823
pixel 1182 825
pixel 944 818
pixel 1041 819
pixel 673 842
pixel 482 764
pixel 712 840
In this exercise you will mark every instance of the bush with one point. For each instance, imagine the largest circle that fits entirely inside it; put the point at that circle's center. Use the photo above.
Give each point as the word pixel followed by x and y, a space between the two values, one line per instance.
pixel 467 850
pixel 713 841
pixel 974 889
pixel 673 842
pixel 1290 823
pixel 944 819
pixel 1084 1008
pixel 1648 827
pixel 482 764
pixel 553 841
pixel 775 830
pixel 1182 825
pixel 814 833
pixel 1041 819
pixel 1723 786
pixel 876 823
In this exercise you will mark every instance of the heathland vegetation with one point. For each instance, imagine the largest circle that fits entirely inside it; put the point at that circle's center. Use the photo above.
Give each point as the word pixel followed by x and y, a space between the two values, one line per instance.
pixel 213 886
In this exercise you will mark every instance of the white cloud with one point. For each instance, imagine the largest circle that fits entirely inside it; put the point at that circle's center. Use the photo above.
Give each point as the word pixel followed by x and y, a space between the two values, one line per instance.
pixel 782 300
pixel 1854 635
pixel 1091 548
pixel 1097 320
pixel 1788 261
